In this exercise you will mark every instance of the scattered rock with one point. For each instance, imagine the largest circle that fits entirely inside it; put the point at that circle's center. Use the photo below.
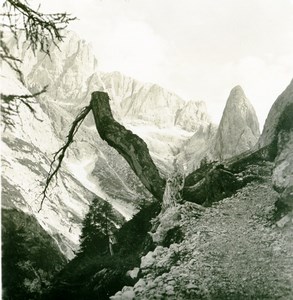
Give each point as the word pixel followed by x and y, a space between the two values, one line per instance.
pixel 147 261
pixel 191 286
pixel 281 223
pixel 127 293
pixel 133 273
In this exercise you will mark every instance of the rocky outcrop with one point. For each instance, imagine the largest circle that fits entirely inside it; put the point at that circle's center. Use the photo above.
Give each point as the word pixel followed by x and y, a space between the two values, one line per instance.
pixel 276 142
pixel 272 124
pixel 210 183
pixel 129 145
pixel 283 171
pixel 239 129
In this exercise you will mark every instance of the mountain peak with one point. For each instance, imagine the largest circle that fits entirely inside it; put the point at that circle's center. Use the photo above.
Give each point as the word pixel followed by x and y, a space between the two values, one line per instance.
pixel 239 129
pixel 237 96
pixel 237 89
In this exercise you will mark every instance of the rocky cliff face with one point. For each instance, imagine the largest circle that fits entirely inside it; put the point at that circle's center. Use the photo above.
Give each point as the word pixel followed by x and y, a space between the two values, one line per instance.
pixel 278 135
pixel 270 130
pixel 283 171
pixel 239 129
pixel 65 72
pixel 150 104
pixel 136 102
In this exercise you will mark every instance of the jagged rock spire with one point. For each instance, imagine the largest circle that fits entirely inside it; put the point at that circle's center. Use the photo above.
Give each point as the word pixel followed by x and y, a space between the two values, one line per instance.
pixel 239 129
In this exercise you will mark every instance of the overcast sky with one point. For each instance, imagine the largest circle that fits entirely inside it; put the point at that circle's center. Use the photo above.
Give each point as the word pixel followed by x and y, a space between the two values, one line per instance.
pixel 199 49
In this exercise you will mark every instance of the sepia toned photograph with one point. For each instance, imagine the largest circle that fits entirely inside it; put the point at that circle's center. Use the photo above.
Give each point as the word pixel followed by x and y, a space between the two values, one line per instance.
pixel 146 149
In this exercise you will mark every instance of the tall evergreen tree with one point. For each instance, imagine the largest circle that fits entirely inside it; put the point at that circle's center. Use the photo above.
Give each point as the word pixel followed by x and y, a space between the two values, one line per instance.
pixel 97 228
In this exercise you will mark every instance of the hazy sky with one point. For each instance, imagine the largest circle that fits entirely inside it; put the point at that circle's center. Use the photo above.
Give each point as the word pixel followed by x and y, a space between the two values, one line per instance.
pixel 200 49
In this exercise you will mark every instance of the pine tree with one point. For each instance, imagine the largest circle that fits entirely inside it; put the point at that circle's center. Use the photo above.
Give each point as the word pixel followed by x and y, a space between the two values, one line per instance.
pixel 97 228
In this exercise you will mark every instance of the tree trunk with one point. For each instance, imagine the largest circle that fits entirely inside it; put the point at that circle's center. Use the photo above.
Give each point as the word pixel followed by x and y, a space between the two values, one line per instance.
pixel 128 144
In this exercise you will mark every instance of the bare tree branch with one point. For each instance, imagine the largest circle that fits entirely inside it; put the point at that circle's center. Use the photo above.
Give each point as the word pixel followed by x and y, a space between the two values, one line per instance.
pixel 11 60
pixel 59 155
pixel 10 106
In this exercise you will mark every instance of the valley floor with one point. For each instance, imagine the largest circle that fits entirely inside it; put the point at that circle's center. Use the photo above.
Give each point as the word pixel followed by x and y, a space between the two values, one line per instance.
pixel 234 250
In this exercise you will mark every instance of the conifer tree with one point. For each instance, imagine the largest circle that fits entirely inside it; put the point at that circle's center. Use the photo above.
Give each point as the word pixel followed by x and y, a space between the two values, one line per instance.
pixel 97 228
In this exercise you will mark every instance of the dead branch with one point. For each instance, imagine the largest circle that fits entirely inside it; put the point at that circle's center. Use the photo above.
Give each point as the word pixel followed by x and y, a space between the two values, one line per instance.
pixel 59 155
pixel 10 106
pixel 129 145
pixel 11 60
